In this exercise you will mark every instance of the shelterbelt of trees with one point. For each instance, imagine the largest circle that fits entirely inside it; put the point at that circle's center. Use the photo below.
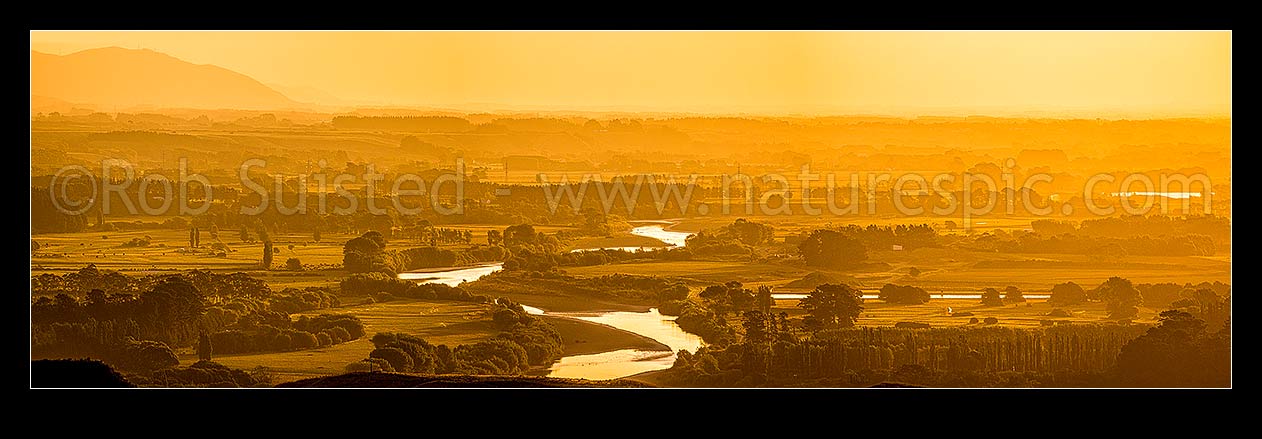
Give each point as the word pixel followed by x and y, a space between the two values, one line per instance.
pixel 840 247
pixel 525 341
pixel 135 323
pixel 748 345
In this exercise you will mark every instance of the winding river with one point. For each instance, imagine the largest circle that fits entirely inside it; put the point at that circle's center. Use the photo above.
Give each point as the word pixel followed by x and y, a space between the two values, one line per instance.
pixel 452 277
pixel 654 229
pixel 606 365
pixel 626 362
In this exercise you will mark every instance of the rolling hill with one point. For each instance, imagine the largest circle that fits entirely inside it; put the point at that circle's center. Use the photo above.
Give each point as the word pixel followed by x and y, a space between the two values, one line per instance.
pixel 114 77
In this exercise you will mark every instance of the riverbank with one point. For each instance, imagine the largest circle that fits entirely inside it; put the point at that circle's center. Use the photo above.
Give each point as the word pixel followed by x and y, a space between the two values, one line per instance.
pixel 438 322
pixel 399 380
pixel 583 338
pixel 552 295
pixel 452 268
pixel 618 241
pixel 652 378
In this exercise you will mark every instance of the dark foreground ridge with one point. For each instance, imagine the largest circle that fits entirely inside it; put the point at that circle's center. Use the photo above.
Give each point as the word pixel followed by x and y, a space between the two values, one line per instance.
pixel 383 379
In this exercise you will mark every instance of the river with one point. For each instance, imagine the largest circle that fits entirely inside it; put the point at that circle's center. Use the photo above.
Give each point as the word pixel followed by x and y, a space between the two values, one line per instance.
pixel 626 362
pixel 450 276
pixel 606 365
pixel 656 230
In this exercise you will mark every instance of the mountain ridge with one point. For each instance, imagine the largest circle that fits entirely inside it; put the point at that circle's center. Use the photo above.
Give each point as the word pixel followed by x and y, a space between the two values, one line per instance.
pixel 142 78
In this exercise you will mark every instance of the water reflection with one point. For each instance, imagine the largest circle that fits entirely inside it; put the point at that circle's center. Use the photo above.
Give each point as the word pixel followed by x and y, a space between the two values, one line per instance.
pixel 1174 195
pixel 451 277
pixel 617 364
pixel 655 231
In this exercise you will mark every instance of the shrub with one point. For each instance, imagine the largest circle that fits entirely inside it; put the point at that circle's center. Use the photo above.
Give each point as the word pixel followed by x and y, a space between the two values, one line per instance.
pixel 303 340
pixel 340 335
pixel 903 294
pixel 399 361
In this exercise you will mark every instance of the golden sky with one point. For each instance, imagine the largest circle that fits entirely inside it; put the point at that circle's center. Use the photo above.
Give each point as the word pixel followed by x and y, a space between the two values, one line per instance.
pixel 1157 73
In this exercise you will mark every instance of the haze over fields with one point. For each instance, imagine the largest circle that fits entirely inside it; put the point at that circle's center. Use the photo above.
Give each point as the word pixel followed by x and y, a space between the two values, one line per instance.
pixel 1094 74
pixel 630 209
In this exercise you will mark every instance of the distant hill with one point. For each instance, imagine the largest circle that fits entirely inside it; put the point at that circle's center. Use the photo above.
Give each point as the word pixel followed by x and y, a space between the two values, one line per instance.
pixel 45 104
pixel 114 77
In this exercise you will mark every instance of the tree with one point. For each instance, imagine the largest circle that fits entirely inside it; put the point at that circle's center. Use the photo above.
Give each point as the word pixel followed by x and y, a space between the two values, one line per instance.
pixel 171 310
pixel 315 235
pixel 757 327
pixel 400 361
pixel 834 305
pixel 293 264
pixel 1178 352
pixel 716 298
pixel 360 253
pixel 376 237
pixel 204 348
pixel 830 248
pixel 731 296
pixel 594 222
pixel 903 294
pixel 519 234
pixel 494 237
pixel 749 232
pixel 990 297
pixel 763 299
pixel 268 254
pixel 1068 293
pixel 1013 294
pixel 1120 296
pixel 505 318
pixel 245 234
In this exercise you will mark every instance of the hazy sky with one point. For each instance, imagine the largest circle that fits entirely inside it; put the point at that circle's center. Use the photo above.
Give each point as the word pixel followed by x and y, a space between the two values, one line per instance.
pixel 874 72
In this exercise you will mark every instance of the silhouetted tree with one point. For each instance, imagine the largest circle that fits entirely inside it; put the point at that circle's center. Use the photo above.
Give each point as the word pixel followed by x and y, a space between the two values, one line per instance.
pixel 830 248
pixel 834 305
pixel 204 348
pixel 1120 296
pixel 359 253
pixel 1068 293
pixel 764 300
pixel 1178 352
pixel 399 360
pixel 903 294
pixel 990 297
pixel 267 255
pixel 1012 294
